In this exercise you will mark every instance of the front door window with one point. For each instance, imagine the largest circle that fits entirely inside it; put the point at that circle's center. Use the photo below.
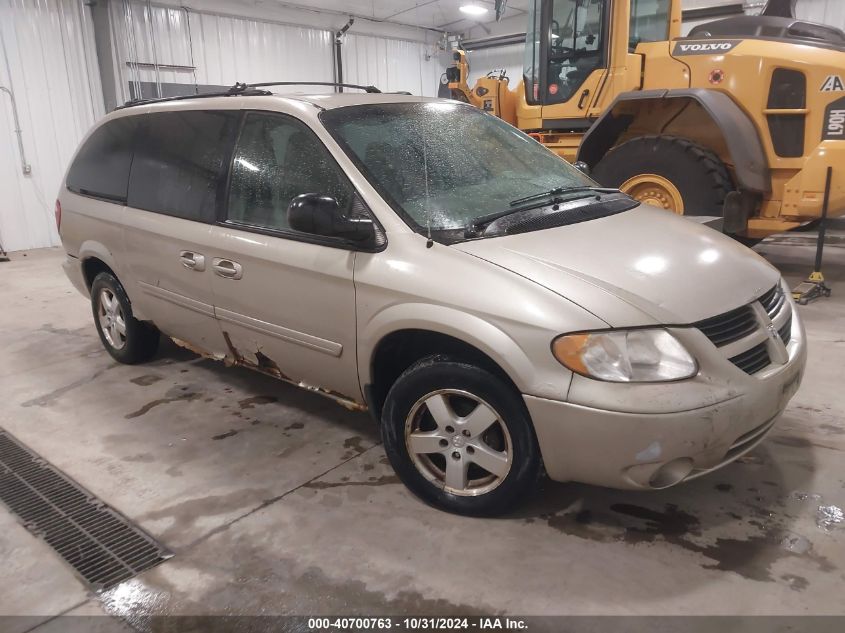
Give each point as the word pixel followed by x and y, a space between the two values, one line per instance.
pixel 278 159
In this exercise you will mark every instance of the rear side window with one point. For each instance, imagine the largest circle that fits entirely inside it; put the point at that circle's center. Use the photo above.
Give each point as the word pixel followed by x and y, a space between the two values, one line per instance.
pixel 101 167
pixel 180 163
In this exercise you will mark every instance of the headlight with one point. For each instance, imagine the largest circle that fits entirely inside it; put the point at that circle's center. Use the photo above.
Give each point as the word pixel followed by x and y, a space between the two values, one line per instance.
pixel 626 355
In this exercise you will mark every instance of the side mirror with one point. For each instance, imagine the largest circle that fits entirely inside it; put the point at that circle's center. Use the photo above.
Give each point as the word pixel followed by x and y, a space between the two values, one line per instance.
pixel 320 215
pixel 583 167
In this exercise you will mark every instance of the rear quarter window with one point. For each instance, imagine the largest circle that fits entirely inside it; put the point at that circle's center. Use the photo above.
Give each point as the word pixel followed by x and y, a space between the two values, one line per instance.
pixel 181 161
pixel 101 167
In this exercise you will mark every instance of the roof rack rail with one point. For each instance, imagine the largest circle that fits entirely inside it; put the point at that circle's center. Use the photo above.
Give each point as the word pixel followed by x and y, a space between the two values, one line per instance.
pixel 246 90
pixel 370 89
pixel 203 95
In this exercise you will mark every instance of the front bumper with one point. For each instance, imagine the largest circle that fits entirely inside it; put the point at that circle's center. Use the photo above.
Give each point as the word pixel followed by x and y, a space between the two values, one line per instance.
pixel 649 450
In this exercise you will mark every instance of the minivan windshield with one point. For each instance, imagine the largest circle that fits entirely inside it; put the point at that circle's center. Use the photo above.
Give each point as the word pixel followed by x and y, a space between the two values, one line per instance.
pixel 445 165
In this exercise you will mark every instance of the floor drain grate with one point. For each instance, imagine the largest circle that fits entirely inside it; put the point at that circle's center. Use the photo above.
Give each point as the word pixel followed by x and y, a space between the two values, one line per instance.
pixel 99 543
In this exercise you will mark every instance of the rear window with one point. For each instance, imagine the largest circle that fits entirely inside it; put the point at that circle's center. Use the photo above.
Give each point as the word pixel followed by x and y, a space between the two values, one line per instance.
pixel 101 167
pixel 181 161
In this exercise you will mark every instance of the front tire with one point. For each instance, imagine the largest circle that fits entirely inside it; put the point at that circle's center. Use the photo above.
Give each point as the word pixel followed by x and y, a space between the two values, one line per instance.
pixel 127 339
pixel 460 437
pixel 668 172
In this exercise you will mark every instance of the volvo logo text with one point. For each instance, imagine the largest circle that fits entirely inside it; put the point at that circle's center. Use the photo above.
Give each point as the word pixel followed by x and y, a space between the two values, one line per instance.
pixel 705 48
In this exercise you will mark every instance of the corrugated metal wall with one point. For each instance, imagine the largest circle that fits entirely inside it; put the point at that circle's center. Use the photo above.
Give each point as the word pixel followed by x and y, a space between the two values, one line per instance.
pixel 209 48
pixel 830 12
pixel 391 64
pixel 54 74
pixel 232 49
pixel 52 69
pixel 134 27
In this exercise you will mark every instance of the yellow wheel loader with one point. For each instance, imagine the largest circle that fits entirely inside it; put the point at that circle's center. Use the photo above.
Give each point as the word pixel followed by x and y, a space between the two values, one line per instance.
pixel 740 119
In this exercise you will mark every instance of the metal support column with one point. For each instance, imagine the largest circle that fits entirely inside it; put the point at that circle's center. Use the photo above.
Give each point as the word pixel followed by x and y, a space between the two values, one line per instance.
pixel 103 42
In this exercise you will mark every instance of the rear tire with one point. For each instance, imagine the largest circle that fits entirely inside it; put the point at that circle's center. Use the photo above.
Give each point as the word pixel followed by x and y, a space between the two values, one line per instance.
pixel 696 173
pixel 460 437
pixel 127 339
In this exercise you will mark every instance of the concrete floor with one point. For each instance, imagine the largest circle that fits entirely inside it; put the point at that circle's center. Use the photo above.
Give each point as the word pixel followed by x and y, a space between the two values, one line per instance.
pixel 277 501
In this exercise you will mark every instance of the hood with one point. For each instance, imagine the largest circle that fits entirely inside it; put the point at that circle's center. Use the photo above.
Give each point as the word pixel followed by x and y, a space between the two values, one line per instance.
pixel 641 267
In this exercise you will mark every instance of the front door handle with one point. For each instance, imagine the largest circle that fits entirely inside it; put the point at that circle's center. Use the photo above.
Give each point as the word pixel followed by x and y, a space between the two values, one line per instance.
pixel 227 269
pixel 194 261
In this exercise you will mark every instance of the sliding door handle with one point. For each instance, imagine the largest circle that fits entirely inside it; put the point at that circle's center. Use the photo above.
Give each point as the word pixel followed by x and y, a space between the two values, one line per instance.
pixel 227 269
pixel 194 261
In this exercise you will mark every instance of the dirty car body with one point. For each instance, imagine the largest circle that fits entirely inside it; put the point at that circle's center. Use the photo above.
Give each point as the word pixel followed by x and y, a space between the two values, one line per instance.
pixel 492 307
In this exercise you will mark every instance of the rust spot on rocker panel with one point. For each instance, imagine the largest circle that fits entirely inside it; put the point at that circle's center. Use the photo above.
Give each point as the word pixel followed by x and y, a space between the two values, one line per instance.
pixel 268 366
pixel 194 349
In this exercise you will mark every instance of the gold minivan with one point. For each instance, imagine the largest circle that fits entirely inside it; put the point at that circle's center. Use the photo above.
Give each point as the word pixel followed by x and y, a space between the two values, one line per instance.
pixel 494 309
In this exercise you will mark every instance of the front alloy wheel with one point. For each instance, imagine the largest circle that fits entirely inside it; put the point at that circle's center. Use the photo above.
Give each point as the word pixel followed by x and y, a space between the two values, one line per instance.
pixel 457 441
pixel 460 437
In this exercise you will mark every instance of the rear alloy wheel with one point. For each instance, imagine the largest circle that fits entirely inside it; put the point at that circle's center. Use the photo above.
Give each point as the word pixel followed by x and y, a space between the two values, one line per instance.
pixel 127 339
pixel 668 172
pixel 460 437
pixel 111 318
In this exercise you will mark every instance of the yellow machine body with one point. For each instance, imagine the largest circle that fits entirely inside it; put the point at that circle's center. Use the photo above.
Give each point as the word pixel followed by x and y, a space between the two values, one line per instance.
pixel 671 88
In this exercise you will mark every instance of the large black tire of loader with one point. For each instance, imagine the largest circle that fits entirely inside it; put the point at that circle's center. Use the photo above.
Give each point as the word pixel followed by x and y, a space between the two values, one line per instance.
pixel 699 175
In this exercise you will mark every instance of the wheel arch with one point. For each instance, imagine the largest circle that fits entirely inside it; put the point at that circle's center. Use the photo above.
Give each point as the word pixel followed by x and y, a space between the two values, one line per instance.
pixel 96 258
pixel 93 266
pixel 741 138
pixel 393 342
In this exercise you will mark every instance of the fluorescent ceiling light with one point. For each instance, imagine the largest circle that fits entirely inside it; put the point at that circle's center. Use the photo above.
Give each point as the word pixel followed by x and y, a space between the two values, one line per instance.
pixel 473 9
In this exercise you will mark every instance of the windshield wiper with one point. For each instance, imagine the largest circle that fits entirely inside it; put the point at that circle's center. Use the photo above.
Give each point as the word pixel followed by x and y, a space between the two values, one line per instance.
pixel 530 202
pixel 559 191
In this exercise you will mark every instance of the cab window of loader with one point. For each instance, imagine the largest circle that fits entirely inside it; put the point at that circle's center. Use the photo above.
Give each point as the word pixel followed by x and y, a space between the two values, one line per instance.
pixel 649 22
pixel 576 46
pixel 531 59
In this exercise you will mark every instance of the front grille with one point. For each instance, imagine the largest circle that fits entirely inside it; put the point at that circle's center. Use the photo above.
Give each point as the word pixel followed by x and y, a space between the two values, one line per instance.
pixel 753 360
pixel 773 301
pixel 730 326
pixel 99 543
pixel 740 322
